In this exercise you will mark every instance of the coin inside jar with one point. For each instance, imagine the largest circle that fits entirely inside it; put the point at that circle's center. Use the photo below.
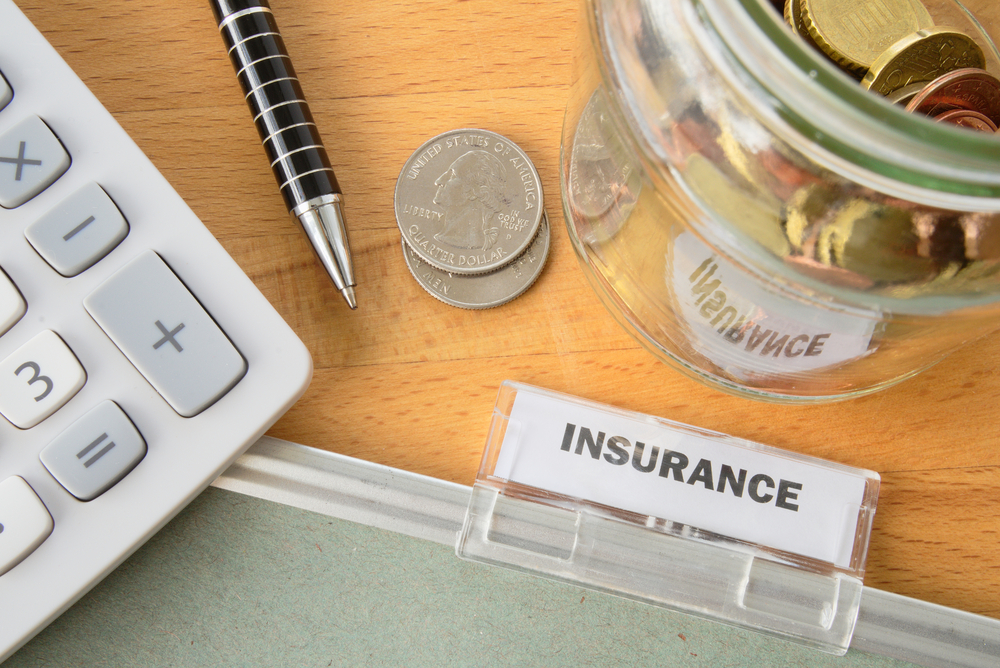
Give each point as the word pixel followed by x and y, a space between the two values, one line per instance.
pixel 922 57
pixel 968 88
pixel 468 201
pixel 967 118
pixel 792 13
pixel 483 291
pixel 903 95
pixel 854 33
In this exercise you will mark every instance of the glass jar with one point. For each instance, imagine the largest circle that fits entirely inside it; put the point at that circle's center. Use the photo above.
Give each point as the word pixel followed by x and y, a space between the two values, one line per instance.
pixel 760 221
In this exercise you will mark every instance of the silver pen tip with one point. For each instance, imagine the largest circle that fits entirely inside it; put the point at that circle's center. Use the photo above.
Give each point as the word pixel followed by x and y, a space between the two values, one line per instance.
pixel 348 293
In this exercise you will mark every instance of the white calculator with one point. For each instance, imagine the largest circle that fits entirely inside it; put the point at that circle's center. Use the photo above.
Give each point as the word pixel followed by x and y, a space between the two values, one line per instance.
pixel 137 361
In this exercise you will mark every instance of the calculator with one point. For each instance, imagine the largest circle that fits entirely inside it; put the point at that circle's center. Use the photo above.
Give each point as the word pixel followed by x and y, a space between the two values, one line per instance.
pixel 137 360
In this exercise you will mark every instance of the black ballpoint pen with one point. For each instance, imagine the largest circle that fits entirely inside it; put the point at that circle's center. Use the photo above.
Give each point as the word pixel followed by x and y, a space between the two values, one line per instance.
pixel 288 133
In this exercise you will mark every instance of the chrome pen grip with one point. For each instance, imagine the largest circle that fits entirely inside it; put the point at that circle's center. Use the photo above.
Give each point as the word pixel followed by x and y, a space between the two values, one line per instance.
pixel 274 95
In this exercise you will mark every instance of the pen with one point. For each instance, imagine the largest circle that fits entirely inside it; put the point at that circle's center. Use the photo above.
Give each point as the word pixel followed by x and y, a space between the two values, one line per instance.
pixel 288 133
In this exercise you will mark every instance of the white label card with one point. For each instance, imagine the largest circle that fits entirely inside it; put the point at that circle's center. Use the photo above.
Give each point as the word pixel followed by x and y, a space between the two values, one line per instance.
pixel 731 487
pixel 749 331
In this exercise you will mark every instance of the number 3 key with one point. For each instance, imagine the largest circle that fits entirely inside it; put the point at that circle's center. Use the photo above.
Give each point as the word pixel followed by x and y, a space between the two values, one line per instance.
pixel 38 379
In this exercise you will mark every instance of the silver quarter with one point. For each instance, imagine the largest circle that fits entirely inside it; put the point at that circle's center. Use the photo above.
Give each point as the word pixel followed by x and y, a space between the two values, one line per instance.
pixel 468 201
pixel 482 291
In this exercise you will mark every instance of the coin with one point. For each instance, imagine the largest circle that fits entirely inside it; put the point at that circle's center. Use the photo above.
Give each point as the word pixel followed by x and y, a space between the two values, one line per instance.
pixel 793 17
pixel 905 94
pixel 482 291
pixel 601 170
pixel 982 236
pixel 874 240
pixel 967 118
pixel 854 33
pixel 805 211
pixel 967 88
pixel 922 57
pixel 468 201
pixel 942 237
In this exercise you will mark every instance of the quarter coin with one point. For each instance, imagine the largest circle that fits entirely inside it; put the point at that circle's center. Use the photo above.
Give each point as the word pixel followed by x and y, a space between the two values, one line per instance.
pixel 922 57
pixel 483 291
pixel 968 88
pixel 468 201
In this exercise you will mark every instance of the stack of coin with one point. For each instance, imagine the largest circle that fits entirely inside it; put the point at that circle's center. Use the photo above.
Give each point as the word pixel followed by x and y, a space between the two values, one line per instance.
pixel 895 49
pixel 885 245
pixel 470 209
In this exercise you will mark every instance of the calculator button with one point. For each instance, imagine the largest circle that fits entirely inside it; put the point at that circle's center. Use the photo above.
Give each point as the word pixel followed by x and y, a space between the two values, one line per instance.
pixel 6 94
pixel 95 452
pixel 38 379
pixel 166 334
pixel 31 159
pixel 79 231
pixel 12 305
pixel 24 522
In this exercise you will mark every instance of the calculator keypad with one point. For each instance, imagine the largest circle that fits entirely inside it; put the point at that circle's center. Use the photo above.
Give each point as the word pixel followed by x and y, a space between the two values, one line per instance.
pixel 6 94
pixel 24 522
pixel 94 452
pixel 38 379
pixel 166 334
pixel 91 236
pixel 12 305
pixel 31 159
pixel 79 231
pixel 189 361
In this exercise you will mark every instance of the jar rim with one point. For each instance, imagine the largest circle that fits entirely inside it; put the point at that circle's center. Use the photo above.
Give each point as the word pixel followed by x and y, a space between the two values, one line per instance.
pixel 633 98
pixel 813 105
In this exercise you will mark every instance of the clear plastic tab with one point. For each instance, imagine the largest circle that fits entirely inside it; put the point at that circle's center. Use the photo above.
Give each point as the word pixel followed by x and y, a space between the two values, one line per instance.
pixel 673 515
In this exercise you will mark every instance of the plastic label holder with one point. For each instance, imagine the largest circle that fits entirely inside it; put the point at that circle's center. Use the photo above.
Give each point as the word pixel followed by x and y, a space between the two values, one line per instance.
pixel 557 496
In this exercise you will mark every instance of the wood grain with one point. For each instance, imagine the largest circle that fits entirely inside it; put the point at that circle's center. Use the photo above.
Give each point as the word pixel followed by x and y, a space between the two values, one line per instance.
pixel 410 382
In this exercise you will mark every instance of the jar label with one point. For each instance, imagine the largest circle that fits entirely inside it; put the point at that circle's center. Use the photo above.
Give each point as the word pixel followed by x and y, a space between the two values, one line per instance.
pixel 749 331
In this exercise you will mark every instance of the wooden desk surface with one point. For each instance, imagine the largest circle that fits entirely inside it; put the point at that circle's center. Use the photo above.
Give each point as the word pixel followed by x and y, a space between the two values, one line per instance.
pixel 410 382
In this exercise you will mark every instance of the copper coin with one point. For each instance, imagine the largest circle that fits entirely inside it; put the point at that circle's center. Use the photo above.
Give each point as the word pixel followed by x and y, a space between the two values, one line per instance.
pixel 967 88
pixel 967 118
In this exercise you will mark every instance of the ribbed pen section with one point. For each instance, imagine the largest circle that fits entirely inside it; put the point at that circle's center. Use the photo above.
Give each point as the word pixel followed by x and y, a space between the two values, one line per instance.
pixel 275 98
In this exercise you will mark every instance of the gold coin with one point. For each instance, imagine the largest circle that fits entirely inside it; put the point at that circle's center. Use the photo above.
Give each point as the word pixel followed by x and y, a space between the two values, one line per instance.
pixel 922 57
pixel 805 209
pixel 854 33
pixel 750 209
pixel 793 17
pixel 876 241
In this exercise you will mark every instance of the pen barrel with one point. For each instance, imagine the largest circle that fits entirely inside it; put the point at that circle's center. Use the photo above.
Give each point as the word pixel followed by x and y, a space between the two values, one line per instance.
pixel 274 95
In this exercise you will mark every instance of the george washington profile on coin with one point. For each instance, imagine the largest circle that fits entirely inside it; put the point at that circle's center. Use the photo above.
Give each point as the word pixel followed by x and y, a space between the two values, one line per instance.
pixel 471 192
pixel 468 201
